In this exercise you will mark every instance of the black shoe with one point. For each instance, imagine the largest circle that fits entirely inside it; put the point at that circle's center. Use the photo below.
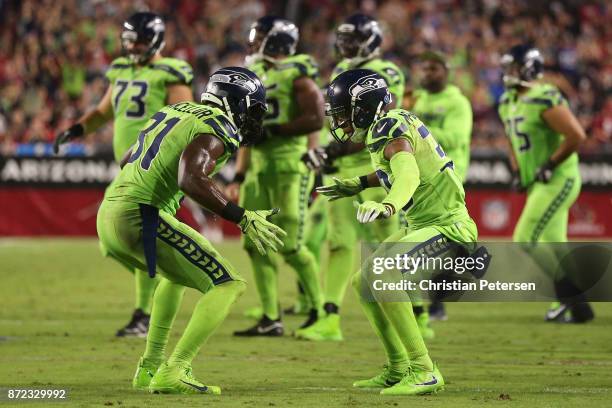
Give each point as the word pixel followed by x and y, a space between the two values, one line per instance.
pixel 437 312
pixel 137 327
pixel 265 327
pixel 581 313
pixel 313 316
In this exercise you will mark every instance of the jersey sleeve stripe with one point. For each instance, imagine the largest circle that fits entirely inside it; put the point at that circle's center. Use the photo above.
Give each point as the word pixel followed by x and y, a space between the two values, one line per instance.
pixel 221 134
pixel 181 77
pixel 400 130
pixel 539 101
pixel 423 131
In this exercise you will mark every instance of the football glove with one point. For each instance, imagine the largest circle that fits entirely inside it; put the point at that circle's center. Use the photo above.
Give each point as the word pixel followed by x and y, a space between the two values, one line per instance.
pixel 544 173
pixel 315 158
pixel 341 188
pixel 263 233
pixel 369 211
pixel 73 132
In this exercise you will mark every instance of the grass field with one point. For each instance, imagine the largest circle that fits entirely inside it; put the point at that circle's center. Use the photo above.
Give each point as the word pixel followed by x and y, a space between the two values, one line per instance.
pixel 62 302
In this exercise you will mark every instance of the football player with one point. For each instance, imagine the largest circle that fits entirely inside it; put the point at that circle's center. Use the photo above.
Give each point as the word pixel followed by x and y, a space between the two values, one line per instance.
pixel 271 173
pixel 141 83
pixel 545 136
pixel 177 153
pixel 358 41
pixel 419 178
pixel 448 115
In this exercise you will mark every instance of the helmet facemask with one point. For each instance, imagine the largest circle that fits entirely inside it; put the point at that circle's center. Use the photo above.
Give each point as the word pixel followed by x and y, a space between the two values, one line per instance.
pixel 280 41
pixel 516 74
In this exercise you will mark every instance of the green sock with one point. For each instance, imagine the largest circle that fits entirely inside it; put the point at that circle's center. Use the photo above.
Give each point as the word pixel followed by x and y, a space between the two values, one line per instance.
pixel 209 313
pixel 166 303
pixel 401 316
pixel 145 288
pixel 394 348
pixel 338 274
pixel 266 281
pixel 304 264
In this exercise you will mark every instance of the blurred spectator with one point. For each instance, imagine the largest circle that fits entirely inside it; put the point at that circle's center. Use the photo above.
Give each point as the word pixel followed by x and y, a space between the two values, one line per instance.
pixel 53 53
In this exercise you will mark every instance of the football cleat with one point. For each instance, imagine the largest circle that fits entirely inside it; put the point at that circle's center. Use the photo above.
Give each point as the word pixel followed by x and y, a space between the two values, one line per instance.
pixel 137 327
pixel 175 379
pixel 424 327
pixel 144 373
pixel 388 378
pixel 417 382
pixel 324 329
pixel 566 313
pixel 265 327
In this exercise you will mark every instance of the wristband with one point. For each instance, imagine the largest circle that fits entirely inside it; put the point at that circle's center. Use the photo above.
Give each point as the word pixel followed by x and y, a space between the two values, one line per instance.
pixel 232 212
pixel 238 178
pixel 364 182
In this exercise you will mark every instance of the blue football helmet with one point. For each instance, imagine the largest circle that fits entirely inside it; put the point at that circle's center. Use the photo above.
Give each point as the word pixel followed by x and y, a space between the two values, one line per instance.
pixel 239 92
pixel 521 65
pixel 355 99
pixel 358 38
pixel 143 36
pixel 272 37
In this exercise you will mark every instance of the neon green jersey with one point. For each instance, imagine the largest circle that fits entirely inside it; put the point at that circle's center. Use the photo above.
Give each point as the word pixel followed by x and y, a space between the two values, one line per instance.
pixel 280 153
pixel 439 199
pixel 533 141
pixel 396 82
pixel 151 174
pixel 138 92
pixel 448 115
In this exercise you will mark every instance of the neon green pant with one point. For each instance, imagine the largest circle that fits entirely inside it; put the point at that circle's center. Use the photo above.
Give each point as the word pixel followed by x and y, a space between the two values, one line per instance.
pixel 183 255
pixel 289 192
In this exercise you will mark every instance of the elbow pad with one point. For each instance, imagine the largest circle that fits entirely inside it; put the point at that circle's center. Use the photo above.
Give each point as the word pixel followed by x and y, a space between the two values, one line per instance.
pixel 406 180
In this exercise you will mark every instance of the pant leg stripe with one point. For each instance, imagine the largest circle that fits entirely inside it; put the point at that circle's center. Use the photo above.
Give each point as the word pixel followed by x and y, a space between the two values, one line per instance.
pixel 302 206
pixel 552 209
pixel 193 252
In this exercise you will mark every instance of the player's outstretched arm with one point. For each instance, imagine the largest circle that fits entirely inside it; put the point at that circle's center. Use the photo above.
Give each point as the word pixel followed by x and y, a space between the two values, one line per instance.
pixel 348 187
pixel 311 108
pixel 561 119
pixel 197 162
pixel 406 180
pixel 318 157
pixel 89 122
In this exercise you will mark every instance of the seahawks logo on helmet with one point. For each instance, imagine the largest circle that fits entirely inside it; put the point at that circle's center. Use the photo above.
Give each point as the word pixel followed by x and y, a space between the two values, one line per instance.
pixel 235 78
pixel 366 84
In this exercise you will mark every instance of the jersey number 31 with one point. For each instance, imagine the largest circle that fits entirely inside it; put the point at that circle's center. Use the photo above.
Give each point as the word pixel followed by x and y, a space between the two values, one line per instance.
pixel 152 151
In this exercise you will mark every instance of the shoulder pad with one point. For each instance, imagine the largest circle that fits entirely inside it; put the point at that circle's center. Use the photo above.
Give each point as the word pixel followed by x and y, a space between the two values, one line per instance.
pixel 545 95
pixel 305 64
pixel 180 71
pixel 225 131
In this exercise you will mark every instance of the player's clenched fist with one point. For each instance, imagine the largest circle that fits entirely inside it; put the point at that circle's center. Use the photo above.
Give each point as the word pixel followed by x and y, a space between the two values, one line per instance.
pixel 263 233
pixel 368 211
pixel 342 188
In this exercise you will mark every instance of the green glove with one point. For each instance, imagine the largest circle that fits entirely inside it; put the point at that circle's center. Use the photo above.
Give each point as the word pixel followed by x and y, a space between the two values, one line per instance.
pixel 342 188
pixel 368 211
pixel 263 233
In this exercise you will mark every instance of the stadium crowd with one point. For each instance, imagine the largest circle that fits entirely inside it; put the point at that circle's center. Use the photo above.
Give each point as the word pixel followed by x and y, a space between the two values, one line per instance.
pixel 53 53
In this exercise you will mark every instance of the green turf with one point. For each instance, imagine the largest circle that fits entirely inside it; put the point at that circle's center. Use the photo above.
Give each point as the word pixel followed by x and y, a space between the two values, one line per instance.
pixel 62 302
